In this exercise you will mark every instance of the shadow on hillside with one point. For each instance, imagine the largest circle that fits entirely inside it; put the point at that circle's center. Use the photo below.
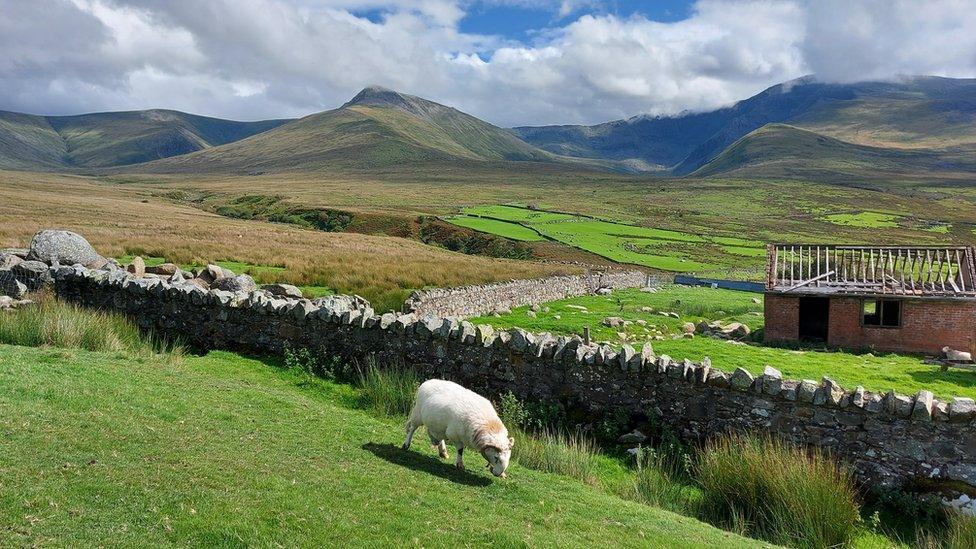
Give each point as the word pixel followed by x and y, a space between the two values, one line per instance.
pixel 424 463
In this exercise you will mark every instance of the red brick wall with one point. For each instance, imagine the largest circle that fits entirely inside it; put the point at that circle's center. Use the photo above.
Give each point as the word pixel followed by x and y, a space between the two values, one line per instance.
pixel 782 318
pixel 926 326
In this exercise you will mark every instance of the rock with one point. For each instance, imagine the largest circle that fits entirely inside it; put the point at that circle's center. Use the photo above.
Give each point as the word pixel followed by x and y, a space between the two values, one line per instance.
pixel 33 274
pixel 736 330
pixel 176 277
pixel 239 283
pixel 8 260
pixel 283 290
pixel 531 314
pixel 741 380
pixel 199 283
pixel 63 247
pixel 577 308
pixel 535 307
pixel 604 291
pixel 829 393
pixel 647 309
pixel 756 300
pixel 613 322
pixel 137 267
pixel 962 409
pixel 10 286
pixel 166 269
pixel 772 381
pixel 922 410
pixel 633 437
pixel 688 327
pixel 806 390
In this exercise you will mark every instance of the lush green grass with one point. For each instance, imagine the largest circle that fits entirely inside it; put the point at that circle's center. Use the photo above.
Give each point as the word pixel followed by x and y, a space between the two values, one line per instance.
pixel 506 229
pixel 664 249
pixel 905 374
pixel 389 392
pixel 868 220
pixel 56 324
pixel 778 492
pixel 101 448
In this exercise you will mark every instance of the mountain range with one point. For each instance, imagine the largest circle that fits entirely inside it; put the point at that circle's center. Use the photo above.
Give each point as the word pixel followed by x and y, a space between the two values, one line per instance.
pixel 799 129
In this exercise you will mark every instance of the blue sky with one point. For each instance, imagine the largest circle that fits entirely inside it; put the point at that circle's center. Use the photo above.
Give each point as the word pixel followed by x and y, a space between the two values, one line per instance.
pixel 522 21
pixel 510 62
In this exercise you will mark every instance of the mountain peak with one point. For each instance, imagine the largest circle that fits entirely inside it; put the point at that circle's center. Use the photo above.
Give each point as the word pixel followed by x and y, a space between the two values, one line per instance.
pixel 378 96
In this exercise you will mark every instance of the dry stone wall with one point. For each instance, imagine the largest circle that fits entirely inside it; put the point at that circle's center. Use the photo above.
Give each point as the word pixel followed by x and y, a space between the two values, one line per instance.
pixel 468 301
pixel 887 438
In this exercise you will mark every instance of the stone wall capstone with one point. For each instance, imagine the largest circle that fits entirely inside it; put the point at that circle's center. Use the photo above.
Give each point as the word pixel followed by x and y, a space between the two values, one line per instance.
pixel 469 301
pixel 887 438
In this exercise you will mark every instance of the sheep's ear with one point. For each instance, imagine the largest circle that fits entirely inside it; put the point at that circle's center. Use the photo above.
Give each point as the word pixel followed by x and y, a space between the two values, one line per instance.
pixel 511 442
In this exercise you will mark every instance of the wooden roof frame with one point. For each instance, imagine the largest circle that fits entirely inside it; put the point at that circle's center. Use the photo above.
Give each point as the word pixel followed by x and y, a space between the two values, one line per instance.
pixel 932 272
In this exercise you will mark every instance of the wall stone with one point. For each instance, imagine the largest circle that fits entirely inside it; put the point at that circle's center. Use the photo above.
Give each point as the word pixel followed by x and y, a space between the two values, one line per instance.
pixel 468 301
pixel 887 438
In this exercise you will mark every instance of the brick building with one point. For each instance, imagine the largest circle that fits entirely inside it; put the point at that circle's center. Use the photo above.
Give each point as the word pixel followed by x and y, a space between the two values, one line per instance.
pixel 891 298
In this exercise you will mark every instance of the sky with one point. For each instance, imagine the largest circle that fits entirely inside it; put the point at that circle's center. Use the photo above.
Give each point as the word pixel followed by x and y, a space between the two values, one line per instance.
pixel 511 62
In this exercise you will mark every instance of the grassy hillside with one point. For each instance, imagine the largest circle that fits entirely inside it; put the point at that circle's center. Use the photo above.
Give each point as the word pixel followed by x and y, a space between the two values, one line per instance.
pixel 103 448
pixel 378 129
pixel 113 138
pixel 780 150
pixel 29 142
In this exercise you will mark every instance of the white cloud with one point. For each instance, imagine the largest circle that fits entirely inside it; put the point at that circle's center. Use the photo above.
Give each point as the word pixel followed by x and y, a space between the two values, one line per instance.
pixel 252 59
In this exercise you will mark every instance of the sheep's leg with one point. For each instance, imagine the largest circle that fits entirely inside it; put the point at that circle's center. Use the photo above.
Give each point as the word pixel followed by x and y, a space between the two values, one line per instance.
pixel 459 462
pixel 411 429
pixel 441 447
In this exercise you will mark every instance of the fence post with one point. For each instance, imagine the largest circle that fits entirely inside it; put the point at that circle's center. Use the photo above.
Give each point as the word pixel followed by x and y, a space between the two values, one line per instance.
pixel 586 335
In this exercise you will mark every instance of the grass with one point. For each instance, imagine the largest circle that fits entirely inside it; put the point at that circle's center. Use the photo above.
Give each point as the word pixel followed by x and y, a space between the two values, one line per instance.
pixel 389 392
pixel 57 324
pixel 552 451
pixel 513 231
pixel 664 249
pixel 101 448
pixel 906 374
pixel 777 492
pixel 118 221
pixel 867 220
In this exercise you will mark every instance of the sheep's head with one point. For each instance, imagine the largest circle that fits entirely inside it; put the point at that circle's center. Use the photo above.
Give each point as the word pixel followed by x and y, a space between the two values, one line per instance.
pixel 498 458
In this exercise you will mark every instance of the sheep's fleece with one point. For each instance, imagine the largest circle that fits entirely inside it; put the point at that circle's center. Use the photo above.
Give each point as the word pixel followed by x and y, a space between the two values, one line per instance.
pixel 462 418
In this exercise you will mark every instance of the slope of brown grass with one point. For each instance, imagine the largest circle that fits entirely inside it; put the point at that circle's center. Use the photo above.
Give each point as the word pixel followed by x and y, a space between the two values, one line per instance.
pixel 119 220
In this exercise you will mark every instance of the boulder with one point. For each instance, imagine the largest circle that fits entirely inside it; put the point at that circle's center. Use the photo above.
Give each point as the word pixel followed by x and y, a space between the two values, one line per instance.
pixel 8 260
pixel 741 379
pixel 10 286
pixel 283 290
pixel 239 283
pixel 137 267
pixel 33 274
pixel 633 437
pixel 64 247
pixel 166 269
pixel 688 327
pixel 613 322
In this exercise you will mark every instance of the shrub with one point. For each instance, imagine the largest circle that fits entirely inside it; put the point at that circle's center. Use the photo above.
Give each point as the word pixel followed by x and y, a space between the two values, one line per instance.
pixel 551 451
pixel 58 324
pixel 511 411
pixel 326 367
pixel 778 492
pixel 390 391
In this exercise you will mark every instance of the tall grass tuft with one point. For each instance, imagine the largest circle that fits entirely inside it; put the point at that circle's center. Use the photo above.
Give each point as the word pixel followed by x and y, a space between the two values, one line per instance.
pixel 573 454
pixel 54 323
pixel 777 492
pixel 959 533
pixel 661 480
pixel 389 391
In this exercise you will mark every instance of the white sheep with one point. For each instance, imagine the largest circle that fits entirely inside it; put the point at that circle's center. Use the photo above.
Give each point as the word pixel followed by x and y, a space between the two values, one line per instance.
pixel 463 418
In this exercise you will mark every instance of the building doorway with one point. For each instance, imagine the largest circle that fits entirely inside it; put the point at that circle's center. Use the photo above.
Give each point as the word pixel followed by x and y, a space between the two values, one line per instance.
pixel 814 318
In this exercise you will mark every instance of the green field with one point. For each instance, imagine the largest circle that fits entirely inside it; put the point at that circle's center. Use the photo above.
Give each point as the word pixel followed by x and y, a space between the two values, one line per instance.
pixel 505 229
pixel 220 450
pixel 867 220
pixel 906 374
pixel 663 249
